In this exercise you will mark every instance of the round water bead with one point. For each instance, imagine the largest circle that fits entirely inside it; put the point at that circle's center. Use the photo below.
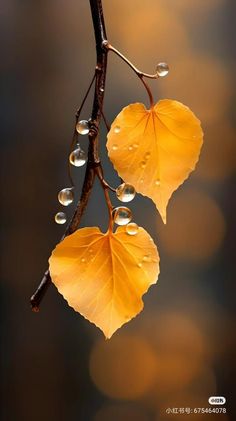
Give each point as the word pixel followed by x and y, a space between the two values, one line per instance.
pixel 162 69
pixel 122 215
pixel 117 129
pixel 132 228
pixel 125 192
pixel 78 157
pixel 82 127
pixel 66 196
pixel 60 218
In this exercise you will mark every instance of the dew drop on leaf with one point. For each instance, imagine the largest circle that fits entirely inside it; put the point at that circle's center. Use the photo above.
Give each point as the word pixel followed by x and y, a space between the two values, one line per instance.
pixel 117 129
pixel 147 258
pixel 132 228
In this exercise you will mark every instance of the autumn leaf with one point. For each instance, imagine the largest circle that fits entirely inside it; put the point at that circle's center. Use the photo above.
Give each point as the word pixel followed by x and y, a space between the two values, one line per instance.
pixel 104 276
pixel 155 150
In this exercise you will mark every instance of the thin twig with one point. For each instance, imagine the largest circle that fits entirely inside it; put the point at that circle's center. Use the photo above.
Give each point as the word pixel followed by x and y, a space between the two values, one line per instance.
pixel 138 72
pixel 93 156
pixel 130 64
pixel 75 134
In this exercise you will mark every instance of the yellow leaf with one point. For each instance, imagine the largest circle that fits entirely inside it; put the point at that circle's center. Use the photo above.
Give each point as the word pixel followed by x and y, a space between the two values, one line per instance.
pixel 103 276
pixel 155 150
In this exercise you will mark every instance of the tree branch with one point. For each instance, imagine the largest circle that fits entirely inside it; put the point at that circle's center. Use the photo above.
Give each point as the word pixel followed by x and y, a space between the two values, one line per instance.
pixel 93 155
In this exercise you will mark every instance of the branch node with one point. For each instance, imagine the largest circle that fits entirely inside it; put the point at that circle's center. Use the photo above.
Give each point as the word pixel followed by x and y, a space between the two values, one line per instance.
pixel 105 44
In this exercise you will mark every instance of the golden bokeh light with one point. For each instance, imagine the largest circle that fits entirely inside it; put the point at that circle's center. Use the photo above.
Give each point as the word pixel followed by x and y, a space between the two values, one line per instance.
pixel 195 227
pixel 152 38
pixel 194 8
pixel 180 353
pixel 124 367
pixel 201 82
pixel 179 334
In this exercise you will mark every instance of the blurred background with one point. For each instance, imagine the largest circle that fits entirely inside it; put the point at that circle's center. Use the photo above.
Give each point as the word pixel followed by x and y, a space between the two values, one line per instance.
pixel 179 351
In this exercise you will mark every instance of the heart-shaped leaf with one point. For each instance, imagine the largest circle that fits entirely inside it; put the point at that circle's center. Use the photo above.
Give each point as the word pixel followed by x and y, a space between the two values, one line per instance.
pixel 103 276
pixel 155 150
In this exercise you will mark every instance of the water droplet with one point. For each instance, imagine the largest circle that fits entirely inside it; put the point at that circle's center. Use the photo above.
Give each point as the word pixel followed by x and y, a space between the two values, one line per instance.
pixel 140 265
pixel 125 192
pixel 135 145
pixel 66 196
pixel 132 228
pixel 162 69
pixel 82 127
pixel 157 182
pixel 147 155
pixel 130 148
pixel 83 260
pixel 78 157
pixel 122 215
pixel 143 164
pixel 60 218
pixel 117 129
pixel 114 147
pixel 101 89
pixel 147 258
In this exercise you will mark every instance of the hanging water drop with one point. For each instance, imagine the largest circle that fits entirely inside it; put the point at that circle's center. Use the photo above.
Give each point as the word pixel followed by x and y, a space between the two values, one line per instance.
pixel 82 127
pixel 162 69
pixel 117 129
pixel 78 157
pixel 132 228
pixel 122 215
pixel 60 218
pixel 114 147
pixel 143 164
pixel 157 182
pixel 66 196
pixel 125 192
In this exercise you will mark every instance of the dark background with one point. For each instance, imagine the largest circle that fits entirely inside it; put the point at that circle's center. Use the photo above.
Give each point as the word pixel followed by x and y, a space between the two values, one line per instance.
pixel 179 350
